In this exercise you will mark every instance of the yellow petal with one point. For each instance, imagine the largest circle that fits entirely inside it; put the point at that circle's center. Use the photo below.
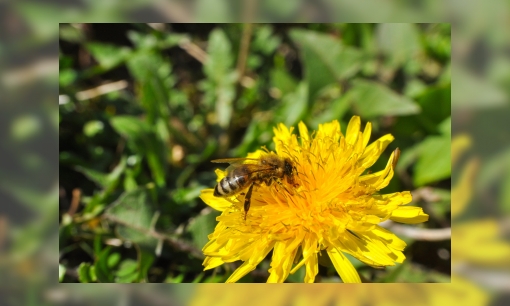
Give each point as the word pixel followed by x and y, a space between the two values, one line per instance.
pixel 389 238
pixel 460 144
pixel 243 269
pixel 371 251
pixel 312 268
pixel 374 150
pixel 220 174
pixel 353 128
pixel 212 262
pixel 409 215
pixel 258 253
pixel 343 266
pixel 463 190
pixel 284 253
pixel 220 204
pixel 330 130
pixel 366 134
pixel 303 132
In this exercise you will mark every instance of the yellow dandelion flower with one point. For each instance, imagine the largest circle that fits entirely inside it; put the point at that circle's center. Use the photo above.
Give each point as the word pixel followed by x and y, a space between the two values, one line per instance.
pixel 334 207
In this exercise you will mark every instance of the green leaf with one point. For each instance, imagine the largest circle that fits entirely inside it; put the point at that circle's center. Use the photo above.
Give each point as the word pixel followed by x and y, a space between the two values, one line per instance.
pixel 151 70
pixel 108 55
pixel 504 197
pixel 434 162
pixel 61 272
pixel 325 58
pixel 145 262
pixel 298 276
pixel 93 127
pixel 471 91
pixel 264 40
pixel 134 211
pixel 127 272
pixel 435 104
pixel 446 126
pixel 372 99
pixel 113 260
pixel 85 273
pixel 175 279
pixel 219 70
pixel 103 271
pixel 399 41
pixel 201 227
pixel 106 180
pixel 294 106
pixel 143 140
pixel 283 81
pixel 337 108
pixel 198 278
pixel 130 127
pixel 493 171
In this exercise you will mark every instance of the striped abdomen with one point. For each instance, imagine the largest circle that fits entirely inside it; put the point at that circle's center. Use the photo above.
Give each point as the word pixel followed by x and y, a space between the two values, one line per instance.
pixel 231 184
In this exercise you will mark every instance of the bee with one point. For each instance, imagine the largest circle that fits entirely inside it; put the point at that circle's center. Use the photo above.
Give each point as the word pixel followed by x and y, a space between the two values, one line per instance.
pixel 245 173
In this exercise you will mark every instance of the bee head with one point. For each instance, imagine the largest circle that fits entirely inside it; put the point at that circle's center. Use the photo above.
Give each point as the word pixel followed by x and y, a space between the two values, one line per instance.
pixel 288 167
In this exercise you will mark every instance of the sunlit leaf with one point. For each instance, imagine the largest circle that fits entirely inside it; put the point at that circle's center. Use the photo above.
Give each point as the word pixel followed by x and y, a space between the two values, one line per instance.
pixel 434 162
pixel 372 99
pixel 326 60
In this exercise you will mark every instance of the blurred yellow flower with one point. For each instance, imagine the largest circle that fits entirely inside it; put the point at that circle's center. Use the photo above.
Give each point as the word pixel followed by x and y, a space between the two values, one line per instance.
pixel 336 208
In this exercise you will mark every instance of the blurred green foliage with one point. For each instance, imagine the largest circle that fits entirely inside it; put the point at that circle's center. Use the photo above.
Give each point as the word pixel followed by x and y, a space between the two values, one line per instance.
pixel 143 109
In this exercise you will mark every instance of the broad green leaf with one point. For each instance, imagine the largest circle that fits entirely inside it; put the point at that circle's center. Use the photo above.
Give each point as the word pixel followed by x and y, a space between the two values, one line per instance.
pixel 133 212
pixel 337 108
pixel 201 227
pixel 372 99
pixel 435 104
pixel 325 59
pixel 470 91
pixel 434 162
pixel 106 180
pixel 127 272
pixel 134 208
pixel 293 106
pixel 283 81
pixel 399 41
pixel 108 55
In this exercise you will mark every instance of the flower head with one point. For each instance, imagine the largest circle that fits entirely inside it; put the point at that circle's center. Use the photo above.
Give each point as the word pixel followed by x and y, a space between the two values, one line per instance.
pixel 333 206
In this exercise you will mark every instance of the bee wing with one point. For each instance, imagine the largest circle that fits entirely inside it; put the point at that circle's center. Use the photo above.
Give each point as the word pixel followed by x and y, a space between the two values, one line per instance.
pixel 231 160
pixel 248 168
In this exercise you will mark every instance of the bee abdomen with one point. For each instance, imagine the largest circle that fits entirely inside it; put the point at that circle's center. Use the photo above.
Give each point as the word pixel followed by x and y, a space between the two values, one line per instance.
pixel 229 185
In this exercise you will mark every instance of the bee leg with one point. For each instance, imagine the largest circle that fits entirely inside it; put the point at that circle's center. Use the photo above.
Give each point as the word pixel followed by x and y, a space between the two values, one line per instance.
pixel 247 200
